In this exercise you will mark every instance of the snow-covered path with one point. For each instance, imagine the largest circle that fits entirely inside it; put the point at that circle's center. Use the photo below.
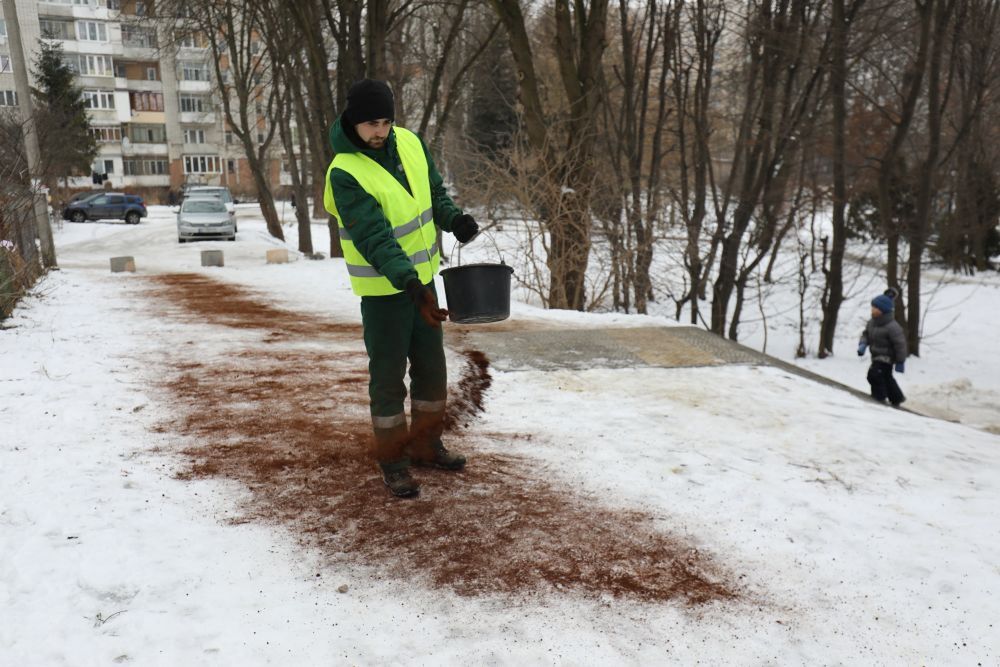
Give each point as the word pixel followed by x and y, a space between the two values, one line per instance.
pixel 853 534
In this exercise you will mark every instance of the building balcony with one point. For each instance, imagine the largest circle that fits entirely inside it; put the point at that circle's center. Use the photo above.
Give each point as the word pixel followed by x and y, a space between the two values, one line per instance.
pixel 94 81
pixel 142 85
pixel 89 48
pixel 200 149
pixel 102 116
pixel 129 148
pixel 147 117
pixel 194 86
pixel 139 50
pixel 197 117
pixel 162 180
pixel 96 11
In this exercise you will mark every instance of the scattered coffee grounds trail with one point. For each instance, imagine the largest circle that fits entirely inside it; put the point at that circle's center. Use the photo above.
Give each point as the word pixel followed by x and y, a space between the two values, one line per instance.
pixel 287 416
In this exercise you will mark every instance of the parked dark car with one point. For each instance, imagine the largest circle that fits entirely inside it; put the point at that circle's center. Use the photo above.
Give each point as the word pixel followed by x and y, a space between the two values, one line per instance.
pixel 106 206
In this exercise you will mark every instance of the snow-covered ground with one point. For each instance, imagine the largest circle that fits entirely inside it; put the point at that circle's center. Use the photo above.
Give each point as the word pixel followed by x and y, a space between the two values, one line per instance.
pixel 855 534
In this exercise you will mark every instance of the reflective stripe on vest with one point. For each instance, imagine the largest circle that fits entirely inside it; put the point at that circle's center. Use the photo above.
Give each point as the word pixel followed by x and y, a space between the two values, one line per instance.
pixel 409 215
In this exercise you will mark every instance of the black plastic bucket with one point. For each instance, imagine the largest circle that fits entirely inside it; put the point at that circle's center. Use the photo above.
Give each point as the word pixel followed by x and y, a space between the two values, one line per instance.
pixel 477 293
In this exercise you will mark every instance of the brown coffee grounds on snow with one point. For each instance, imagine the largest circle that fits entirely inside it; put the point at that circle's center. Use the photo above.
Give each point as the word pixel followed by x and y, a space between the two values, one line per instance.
pixel 465 402
pixel 293 426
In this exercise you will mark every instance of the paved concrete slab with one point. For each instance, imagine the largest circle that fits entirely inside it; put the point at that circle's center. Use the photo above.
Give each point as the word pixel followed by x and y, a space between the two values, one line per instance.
pixel 580 349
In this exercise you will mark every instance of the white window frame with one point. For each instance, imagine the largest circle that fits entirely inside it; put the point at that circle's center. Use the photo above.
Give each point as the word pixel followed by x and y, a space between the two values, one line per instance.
pixel 194 136
pixel 152 74
pixel 6 67
pixel 91 31
pixel 202 164
pixel 99 99
pixel 85 64
pixel 194 72
pixel 196 103
pixel 63 29
pixel 107 134
pixel 3 31
pixel 8 98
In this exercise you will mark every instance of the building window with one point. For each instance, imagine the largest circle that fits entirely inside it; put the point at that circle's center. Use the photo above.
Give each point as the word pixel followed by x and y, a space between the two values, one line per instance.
pixel 107 135
pixel 3 30
pixel 229 137
pixel 194 136
pixel 86 65
pixel 144 101
pixel 140 8
pixel 134 36
pixel 99 99
pixel 194 103
pixel 114 5
pixel 260 138
pixel 152 74
pixel 91 31
pixel 109 166
pixel 152 166
pixel 56 29
pixel 191 40
pixel 231 166
pixel 201 164
pixel 5 66
pixel 8 98
pixel 193 72
pixel 146 134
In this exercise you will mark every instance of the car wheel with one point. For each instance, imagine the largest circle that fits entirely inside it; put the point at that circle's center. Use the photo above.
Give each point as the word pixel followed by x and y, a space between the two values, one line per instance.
pixel 78 216
pixel 232 238
pixel 132 218
pixel 180 240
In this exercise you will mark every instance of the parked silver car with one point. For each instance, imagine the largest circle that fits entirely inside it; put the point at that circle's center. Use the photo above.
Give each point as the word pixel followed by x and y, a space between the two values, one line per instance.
pixel 204 218
pixel 220 191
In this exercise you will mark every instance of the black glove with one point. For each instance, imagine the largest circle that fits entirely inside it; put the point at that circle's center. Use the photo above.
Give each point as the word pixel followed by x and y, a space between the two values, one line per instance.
pixel 464 227
pixel 426 302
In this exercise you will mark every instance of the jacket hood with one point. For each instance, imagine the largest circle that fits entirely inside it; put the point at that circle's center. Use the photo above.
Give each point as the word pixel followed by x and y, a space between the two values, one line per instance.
pixel 339 141
pixel 344 139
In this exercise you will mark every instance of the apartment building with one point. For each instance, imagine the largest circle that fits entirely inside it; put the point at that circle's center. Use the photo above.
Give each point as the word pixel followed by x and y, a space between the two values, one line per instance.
pixel 153 111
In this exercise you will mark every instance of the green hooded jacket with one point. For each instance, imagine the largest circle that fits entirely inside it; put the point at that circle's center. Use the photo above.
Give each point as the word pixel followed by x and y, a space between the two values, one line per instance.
pixel 370 231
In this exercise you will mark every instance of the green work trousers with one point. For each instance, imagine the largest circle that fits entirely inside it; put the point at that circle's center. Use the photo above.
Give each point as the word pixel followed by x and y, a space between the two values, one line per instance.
pixel 395 335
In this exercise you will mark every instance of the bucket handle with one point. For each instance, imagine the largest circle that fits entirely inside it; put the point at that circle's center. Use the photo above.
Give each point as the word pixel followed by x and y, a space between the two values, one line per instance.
pixel 481 232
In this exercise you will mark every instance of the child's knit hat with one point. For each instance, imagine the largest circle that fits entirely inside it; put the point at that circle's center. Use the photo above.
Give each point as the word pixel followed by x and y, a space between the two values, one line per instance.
pixel 883 302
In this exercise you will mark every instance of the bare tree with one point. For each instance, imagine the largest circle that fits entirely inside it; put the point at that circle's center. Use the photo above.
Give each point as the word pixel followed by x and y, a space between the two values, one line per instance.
pixel 833 289
pixel 641 98
pixel 785 48
pixel 699 27
pixel 244 76
pixel 578 48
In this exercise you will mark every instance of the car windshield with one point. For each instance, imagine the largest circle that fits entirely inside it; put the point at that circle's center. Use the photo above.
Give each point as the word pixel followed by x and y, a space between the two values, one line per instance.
pixel 220 193
pixel 204 206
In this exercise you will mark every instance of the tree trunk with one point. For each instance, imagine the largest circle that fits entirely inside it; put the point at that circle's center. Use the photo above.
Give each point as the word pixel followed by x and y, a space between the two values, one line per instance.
pixel 833 292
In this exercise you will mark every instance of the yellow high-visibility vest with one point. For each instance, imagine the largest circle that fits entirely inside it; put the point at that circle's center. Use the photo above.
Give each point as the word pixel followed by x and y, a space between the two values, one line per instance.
pixel 410 215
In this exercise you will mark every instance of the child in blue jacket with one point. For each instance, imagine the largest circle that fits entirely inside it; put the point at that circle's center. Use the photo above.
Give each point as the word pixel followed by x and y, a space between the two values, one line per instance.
pixel 885 338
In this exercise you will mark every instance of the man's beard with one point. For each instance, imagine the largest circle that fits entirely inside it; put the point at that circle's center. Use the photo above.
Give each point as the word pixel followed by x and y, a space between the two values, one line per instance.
pixel 376 143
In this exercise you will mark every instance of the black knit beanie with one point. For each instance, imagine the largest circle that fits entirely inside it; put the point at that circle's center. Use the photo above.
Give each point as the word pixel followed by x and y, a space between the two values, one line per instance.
pixel 369 99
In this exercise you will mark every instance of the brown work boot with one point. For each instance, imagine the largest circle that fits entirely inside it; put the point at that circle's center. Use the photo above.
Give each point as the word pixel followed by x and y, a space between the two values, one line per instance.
pixel 397 478
pixel 437 456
